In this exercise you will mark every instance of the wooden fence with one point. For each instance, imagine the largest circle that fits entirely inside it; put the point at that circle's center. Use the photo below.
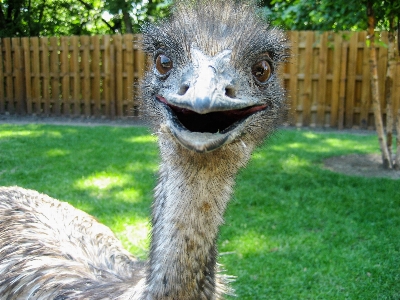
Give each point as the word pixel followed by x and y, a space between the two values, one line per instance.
pixel 328 78
pixel 70 76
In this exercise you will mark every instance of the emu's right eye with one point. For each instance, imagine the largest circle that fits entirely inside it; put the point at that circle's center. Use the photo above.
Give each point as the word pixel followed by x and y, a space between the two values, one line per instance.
pixel 261 71
pixel 163 64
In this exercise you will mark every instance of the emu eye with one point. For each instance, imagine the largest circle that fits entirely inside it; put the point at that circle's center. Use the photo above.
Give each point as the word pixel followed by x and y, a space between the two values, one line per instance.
pixel 163 64
pixel 261 71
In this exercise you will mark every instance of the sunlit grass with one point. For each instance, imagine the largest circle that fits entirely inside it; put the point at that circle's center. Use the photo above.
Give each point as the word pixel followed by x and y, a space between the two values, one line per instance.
pixel 293 229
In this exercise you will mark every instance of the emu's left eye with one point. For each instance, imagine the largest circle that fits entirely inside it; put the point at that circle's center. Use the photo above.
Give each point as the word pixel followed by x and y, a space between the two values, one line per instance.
pixel 261 71
pixel 163 64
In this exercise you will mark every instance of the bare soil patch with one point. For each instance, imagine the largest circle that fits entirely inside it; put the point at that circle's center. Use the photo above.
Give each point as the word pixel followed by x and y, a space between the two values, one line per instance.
pixel 365 165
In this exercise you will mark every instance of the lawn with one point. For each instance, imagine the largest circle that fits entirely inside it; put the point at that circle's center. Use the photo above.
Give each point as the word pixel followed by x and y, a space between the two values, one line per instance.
pixel 293 229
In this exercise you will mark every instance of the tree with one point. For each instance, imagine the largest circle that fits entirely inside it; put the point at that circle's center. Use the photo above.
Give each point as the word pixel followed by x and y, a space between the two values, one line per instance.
pixel 386 15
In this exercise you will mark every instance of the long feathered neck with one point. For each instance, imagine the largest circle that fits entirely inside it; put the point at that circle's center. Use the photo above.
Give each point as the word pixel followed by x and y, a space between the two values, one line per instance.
pixel 190 200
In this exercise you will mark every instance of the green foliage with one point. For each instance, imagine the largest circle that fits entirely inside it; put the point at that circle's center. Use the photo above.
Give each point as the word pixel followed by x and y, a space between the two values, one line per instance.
pixel 293 230
pixel 138 11
pixel 329 15
pixel 50 18
pixel 76 17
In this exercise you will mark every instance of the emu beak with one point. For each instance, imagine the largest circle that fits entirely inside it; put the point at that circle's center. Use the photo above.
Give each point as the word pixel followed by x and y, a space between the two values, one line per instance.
pixel 205 114
pixel 210 86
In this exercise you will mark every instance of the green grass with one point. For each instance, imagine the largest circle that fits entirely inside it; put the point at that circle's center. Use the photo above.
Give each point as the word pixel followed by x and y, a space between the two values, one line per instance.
pixel 293 229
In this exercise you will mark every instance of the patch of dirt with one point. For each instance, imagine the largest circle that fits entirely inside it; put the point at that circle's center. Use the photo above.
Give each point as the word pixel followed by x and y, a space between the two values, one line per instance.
pixel 365 165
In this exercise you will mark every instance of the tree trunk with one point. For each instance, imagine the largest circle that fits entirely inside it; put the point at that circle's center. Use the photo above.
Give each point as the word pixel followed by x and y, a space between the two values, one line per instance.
pixel 397 157
pixel 387 162
pixel 391 64
pixel 397 55
pixel 127 21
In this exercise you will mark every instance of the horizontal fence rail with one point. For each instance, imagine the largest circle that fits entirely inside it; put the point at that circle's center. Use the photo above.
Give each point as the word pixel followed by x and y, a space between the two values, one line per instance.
pixel 328 78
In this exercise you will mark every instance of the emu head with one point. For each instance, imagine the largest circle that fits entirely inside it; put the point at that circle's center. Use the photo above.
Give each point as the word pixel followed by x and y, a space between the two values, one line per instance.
pixel 214 79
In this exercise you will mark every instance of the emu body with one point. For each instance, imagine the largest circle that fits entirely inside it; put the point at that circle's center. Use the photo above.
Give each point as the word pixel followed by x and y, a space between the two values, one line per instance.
pixel 212 95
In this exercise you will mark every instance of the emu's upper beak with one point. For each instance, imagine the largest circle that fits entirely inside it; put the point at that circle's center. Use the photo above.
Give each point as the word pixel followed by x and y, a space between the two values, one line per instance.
pixel 206 113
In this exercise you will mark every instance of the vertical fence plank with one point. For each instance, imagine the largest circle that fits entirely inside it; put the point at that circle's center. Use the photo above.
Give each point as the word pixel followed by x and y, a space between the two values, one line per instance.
pixel 119 75
pixel 342 85
pixel 306 96
pixel 107 75
pixel 351 80
pixel 365 84
pixel 9 75
pixel 95 63
pixel 65 89
pixel 293 80
pixel 76 76
pixel 35 74
pixel 44 45
pixel 28 79
pixel 2 95
pixel 112 81
pixel 18 71
pixel 336 81
pixel 85 66
pixel 55 103
pixel 323 56
pixel 129 71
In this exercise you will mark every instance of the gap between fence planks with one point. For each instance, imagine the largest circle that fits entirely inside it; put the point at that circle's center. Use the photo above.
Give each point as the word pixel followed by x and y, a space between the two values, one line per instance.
pixel 327 78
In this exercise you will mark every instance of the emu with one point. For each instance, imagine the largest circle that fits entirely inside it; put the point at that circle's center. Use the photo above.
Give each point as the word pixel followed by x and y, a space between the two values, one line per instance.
pixel 212 95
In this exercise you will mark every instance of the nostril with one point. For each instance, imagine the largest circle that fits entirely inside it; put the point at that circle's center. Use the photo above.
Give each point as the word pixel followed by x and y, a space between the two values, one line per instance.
pixel 183 89
pixel 230 92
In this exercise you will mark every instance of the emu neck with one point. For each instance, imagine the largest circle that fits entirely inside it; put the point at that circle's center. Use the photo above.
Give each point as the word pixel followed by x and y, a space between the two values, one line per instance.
pixel 190 201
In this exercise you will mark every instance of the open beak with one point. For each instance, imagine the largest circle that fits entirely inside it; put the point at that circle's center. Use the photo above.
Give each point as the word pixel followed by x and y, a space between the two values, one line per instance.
pixel 205 113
